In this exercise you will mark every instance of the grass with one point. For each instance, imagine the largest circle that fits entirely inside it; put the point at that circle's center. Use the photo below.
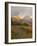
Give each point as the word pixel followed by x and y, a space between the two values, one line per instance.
pixel 28 31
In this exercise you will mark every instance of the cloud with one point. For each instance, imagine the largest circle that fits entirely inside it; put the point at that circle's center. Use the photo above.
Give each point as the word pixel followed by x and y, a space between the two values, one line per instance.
pixel 15 11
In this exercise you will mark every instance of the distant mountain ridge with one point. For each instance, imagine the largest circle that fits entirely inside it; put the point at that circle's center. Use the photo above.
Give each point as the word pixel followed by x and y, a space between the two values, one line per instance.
pixel 22 19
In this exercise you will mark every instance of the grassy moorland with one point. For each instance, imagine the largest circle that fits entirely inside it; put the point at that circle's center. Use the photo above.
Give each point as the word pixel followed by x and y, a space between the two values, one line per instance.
pixel 21 31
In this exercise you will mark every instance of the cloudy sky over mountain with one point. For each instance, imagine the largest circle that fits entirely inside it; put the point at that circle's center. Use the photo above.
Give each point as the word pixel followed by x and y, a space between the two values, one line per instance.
pixel 21 11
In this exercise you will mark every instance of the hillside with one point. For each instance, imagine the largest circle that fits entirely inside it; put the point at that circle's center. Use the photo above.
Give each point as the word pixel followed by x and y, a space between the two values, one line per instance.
pixel 21 27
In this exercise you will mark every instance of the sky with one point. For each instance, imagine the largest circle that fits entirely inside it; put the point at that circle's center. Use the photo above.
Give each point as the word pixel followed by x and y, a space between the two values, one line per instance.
pixel 21 11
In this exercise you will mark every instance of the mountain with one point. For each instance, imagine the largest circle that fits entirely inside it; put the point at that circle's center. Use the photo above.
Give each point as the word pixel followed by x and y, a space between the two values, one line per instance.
pixel 28 19
pixel 22 19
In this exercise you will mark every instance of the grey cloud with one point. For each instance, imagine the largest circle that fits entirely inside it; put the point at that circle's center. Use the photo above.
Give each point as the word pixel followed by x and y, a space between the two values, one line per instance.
pixel 15 11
